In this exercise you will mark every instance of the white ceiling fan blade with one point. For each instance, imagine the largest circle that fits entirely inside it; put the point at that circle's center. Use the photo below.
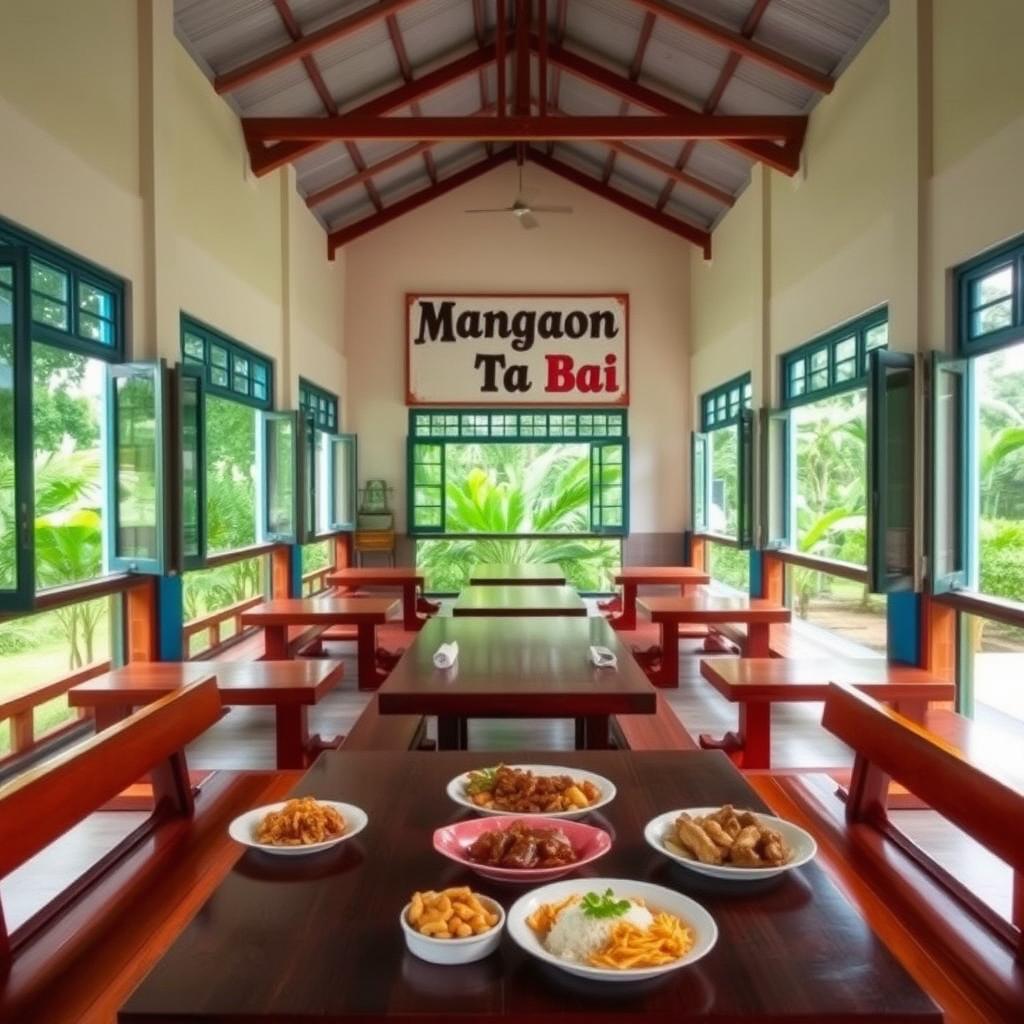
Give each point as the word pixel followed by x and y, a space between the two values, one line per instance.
pixel 494 209
pixel 527 219
pixel 551 209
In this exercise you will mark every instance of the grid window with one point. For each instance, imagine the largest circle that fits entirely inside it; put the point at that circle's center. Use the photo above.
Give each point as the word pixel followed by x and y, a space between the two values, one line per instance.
pixel 724 405
pixel 320 404
pixel 232 370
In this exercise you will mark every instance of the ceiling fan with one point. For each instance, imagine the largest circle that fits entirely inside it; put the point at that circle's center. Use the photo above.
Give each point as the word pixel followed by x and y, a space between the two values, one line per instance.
pixel 523 210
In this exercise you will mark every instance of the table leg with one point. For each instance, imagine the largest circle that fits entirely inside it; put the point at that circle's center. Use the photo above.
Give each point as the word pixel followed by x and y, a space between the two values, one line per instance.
pixel 452 732
pixel 275 643
pixel 668 675
pixel 627 619
pixel 758 640
pixel 596 735
pixel 292 735
pixel 751 745
pixel 106 715
pixel 912 708
pixel 366 642
pixel 410 620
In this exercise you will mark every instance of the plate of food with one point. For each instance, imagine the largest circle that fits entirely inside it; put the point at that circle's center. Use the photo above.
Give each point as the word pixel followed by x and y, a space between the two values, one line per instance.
pixel 612 929
pixel 452 926
pixel 724 842
pixel 535 789
pixel 299 826
pixel 528 849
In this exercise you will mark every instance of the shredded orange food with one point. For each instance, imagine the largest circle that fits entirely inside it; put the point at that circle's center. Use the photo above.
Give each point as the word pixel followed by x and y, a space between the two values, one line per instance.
pixel 301 822
pixel 543 919
pixel 664 940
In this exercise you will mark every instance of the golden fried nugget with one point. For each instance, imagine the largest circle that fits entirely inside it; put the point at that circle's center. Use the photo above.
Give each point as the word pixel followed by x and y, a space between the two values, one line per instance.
pixel 745 857
pixel 696 840
pixel 717 834
pixel 748 839
pixel 774 853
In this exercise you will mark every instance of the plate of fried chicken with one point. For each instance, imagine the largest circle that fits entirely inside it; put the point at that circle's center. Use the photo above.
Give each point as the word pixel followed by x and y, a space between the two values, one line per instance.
pixel 727 842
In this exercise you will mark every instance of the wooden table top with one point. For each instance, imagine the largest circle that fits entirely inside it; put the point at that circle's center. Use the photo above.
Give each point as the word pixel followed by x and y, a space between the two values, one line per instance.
pixel 381 576
pixel 318 938
pixel 498 573
pixel 309 611
pixel 809 678
pixel 521 667
pixel 519 599
pixel 303 681
pixel 706 607
pixel 658 574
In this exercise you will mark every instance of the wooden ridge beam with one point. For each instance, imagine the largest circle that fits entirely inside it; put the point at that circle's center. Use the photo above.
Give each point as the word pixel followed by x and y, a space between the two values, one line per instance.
pixel 739 43
pixel 527 128
pixel 336 239
pixel 697 236
pixel 268 158
pixel 346 26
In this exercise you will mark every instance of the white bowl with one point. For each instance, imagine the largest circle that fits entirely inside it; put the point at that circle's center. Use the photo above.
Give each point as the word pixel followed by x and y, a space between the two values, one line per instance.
pixel 243 829
pixel 456 790
pixel 800 842
pixel 454 951
pixel 656 897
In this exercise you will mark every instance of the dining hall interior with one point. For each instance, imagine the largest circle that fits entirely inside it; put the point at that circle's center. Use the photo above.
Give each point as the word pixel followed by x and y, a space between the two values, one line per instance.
pixel 512 510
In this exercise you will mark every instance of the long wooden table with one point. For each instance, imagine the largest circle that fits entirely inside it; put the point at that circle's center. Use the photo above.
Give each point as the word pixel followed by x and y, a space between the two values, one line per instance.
pixel 515 600
pixel 516 574
pixel 366 613
pixel 634 576
pixel 291 687
pixel 756 683
pixel 408 579
pixel 705 608
pixel 517 668
pixel 318 938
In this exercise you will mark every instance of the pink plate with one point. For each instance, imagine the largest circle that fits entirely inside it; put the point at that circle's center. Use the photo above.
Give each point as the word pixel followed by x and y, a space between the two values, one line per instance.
pixel 589 842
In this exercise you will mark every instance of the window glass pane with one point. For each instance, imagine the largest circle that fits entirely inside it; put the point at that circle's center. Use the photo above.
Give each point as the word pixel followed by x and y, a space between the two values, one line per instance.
pixel 208 591
pixel 819 359
pixel 241 367
pixel 948 485
pixel 49 281
pixel 8 502
pixel 218 355
pixel 725 478
pixel 846 349
pixel 194 348
pixel 819 380
pixel 259 391
pixel 729 567
pixel 51 314
pixel 280 477
pixel 839 611
pixel 996 285
pixel 230 475
pixel 344 454
pixel 190 465
pixel 996 650
pixel 95 329
pixel 992 318
pixel 846 370
pixel 95 300
pixel 136 453
pixel 875 337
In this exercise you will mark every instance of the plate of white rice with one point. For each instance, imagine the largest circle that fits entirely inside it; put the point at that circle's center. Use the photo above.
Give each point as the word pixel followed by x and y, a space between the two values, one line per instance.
pixel 578 935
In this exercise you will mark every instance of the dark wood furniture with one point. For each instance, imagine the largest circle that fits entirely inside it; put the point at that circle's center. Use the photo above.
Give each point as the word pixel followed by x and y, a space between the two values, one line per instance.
pixel 634 576
pixel 318 938
pixel 366 613
pixel 757 683
pixel 529 667
pixel 374 731
pixel 966 953
pixel 660 731
pixel 669 613
pixel 518 600
pixel 407 579
pixel 80 956
pixel 513 574
pixel 290 687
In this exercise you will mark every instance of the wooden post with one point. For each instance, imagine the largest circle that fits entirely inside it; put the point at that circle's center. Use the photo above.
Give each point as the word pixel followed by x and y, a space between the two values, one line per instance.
pixel 938 638
pixel 343 550
pixel 141 643
pixel 773 578
pixel 281 572
pixel 698 552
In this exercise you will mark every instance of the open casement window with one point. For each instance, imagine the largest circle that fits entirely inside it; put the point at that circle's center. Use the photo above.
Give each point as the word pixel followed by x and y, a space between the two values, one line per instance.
pixel 948 567
pixel 278 463
pixel 190 405
pixel 343 463
pixel 745 448
pixel 777 484
pixel 699 481
pixel 426 495
pixel 17 557
pixel 138 479
pixel 609 481
pixel 891 417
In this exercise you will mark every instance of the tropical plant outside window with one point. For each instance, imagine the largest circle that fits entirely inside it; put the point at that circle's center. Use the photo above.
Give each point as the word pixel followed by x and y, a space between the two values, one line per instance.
pixel 729 566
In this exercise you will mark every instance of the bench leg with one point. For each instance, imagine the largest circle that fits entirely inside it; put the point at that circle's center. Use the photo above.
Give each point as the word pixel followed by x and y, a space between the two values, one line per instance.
pixel 107 715
pixel 369 677
pixel 758 641
pixel 751 745
pixel 410 620
pixel 668 674
pixel 452 732
pixel 627 619
pixel 595 733
pixel 292 735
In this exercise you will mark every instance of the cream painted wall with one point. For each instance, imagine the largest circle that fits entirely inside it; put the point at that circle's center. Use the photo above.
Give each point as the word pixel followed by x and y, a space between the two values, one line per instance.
pixel 598 248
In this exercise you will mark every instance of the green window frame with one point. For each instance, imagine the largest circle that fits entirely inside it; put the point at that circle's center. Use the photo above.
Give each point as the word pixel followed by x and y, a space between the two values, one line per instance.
pixel 321 404
pixel 231 369
pixel 723 405
pixel 605 431
pixel 990 299
pixel 834 362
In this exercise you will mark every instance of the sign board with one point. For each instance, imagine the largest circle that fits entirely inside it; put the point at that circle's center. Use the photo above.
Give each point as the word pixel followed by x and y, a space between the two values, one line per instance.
pixel 517 349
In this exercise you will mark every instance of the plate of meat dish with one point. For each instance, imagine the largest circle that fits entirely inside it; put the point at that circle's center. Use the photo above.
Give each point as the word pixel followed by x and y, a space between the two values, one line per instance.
pixel 533 789
pixel 723 842
pixel 531 850
pixel 299 826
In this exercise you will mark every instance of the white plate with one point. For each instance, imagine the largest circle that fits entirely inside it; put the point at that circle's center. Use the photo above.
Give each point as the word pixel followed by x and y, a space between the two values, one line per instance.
pixel 243 829
pixel 800 842
pixel 457 790
pixel 656 897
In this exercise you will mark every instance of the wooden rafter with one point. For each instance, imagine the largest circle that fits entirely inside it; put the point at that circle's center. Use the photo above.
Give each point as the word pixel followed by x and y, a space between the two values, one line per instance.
pixel 522 102
pixel 635 67
pixel 674 174
pixel 561 14
pixel 479 31
pixel 405 67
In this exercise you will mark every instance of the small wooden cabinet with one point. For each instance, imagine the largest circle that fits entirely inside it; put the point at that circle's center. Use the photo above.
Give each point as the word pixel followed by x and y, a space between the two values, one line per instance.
pixel 381 541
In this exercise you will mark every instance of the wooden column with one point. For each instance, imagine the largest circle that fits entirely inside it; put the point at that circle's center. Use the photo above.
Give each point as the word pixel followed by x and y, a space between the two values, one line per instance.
pixel 938 638
pixel 773 578
pixel 281 572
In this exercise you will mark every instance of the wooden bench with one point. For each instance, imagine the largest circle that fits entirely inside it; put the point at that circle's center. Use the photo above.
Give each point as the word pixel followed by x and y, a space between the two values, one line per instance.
pixel 787 641
pixel 80 955
pixel 660 731
pixel 374 731
pixel 969 957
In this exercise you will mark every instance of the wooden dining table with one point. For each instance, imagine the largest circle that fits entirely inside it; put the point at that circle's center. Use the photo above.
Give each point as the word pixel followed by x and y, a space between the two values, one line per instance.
pixel 705 608
pixel 516 574
pixel 529 667
pixel 630 578
pixel 515 599
pixel 757 683
pixel 366 613
pixel 318 938
pixel 408 579
pixel 290 687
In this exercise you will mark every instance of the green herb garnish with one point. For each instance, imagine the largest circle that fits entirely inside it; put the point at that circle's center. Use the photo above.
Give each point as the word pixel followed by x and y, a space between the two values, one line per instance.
pixel 481 781
pixel 604 906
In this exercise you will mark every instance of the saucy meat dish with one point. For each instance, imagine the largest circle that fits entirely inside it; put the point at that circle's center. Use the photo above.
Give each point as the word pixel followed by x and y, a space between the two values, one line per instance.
pixel 521 792
pixel 520 846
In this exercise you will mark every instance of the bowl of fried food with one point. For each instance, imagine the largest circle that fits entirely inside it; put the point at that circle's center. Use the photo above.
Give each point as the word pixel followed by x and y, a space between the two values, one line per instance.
pixel 299 826
pixel 723 842
pixel 536 789
pixel 513 849
pixel 452 926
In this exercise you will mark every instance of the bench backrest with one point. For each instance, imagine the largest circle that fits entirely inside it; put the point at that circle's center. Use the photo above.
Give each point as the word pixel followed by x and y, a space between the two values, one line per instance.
pixel 986 803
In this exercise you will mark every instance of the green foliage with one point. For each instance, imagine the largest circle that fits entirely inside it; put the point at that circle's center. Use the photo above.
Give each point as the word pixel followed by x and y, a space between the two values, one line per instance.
pixel 730 566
